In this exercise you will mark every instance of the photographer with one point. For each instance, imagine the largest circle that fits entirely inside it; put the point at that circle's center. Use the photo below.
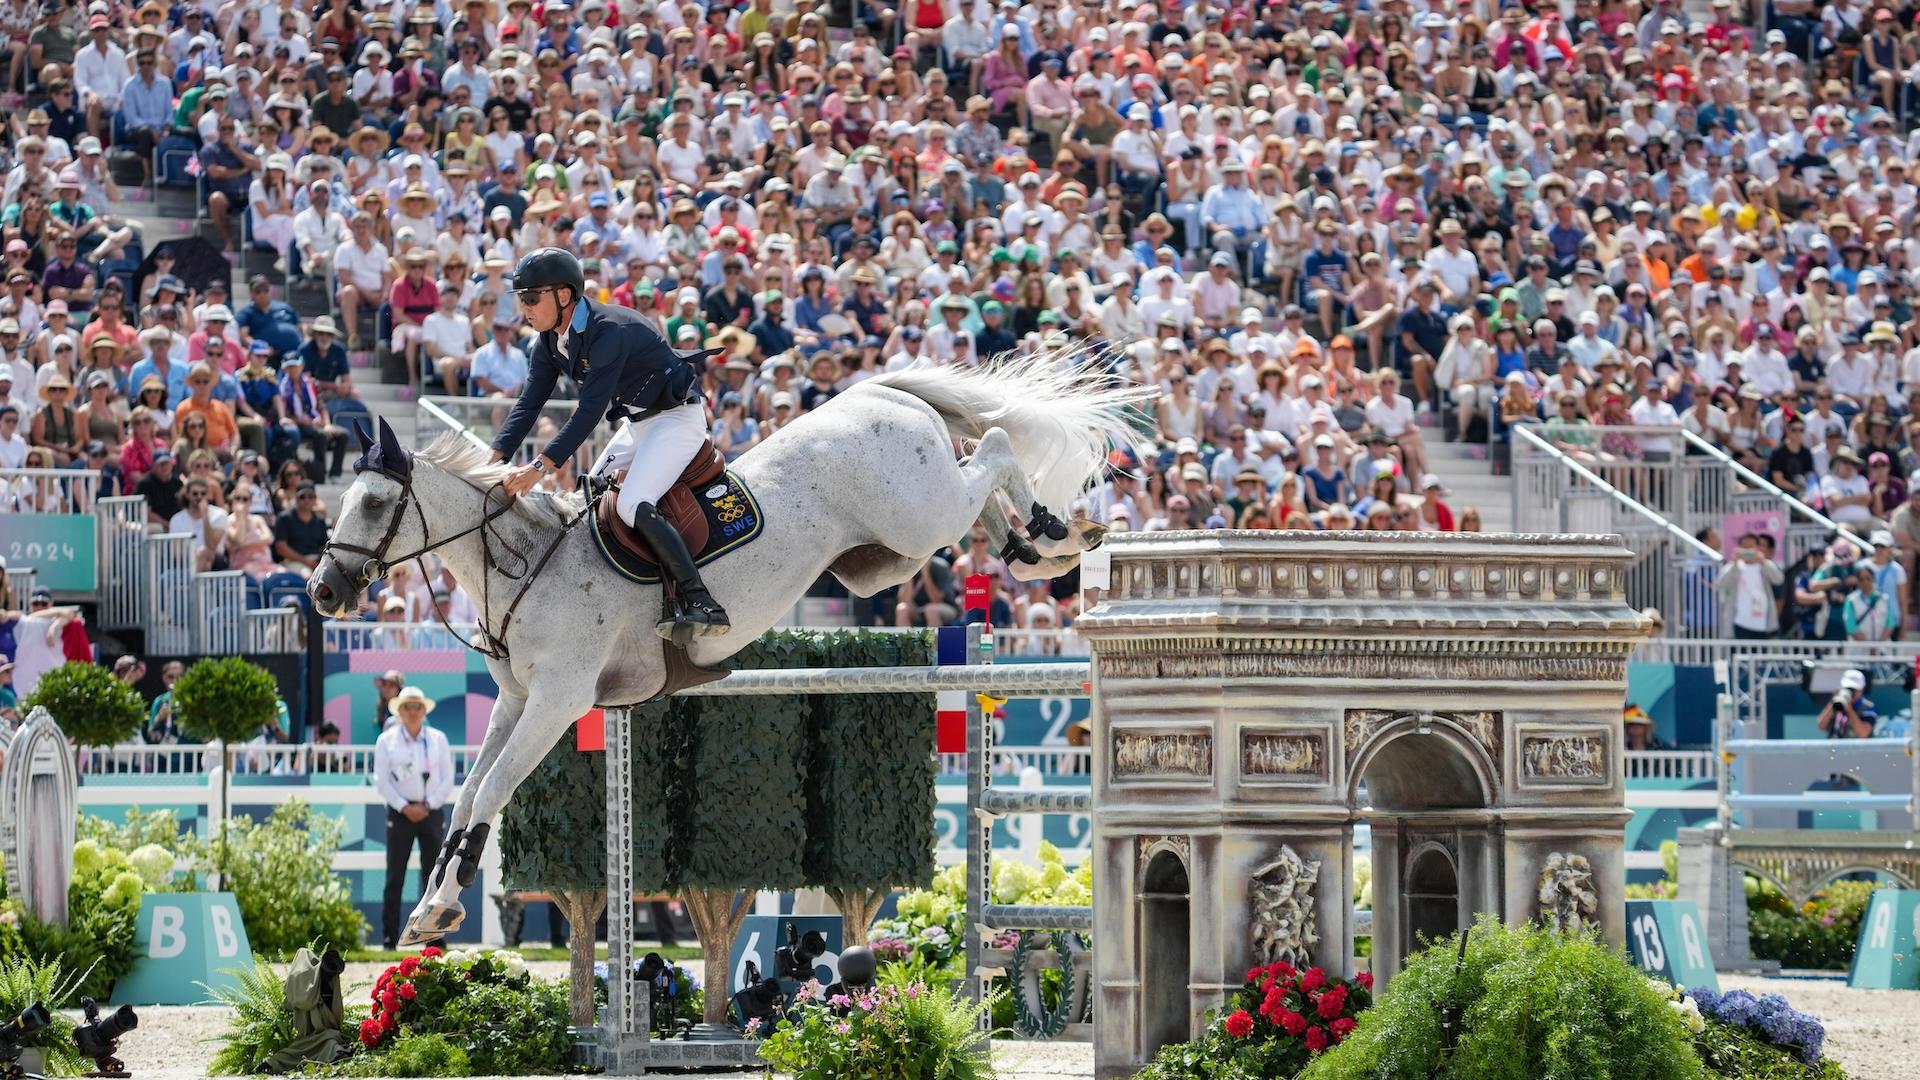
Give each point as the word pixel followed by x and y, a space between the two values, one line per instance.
pixel 1746 587
pixel 1850 713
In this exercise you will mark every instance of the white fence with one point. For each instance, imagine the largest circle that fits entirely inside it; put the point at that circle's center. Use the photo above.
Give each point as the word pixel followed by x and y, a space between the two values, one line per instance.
pixel 122 531
pixel 49 491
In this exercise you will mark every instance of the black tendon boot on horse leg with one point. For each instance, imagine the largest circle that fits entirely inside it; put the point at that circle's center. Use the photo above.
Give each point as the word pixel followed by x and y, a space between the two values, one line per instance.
pixel 693 611
pixel 447 847
pixel 1041 522
pixel 471 847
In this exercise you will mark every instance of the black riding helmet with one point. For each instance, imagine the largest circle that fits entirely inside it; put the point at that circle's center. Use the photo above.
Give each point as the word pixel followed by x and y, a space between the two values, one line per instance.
pixel 549 267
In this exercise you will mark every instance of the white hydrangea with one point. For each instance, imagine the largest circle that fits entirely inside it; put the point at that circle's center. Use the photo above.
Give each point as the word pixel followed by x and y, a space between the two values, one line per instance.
pixel 1689 1014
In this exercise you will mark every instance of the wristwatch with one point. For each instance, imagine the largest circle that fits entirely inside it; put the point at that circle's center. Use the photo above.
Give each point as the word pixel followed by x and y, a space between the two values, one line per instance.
pixel 540 465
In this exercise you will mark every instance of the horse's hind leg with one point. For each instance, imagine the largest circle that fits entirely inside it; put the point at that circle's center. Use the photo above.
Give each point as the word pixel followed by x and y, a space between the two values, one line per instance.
pixel 544 714
pixel 1049 535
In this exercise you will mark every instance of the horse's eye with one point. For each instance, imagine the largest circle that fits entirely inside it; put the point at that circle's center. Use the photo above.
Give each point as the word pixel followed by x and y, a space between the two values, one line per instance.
pixel 373 502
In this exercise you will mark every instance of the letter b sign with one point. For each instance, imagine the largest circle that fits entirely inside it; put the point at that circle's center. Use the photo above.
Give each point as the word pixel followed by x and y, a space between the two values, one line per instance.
pixel 181 940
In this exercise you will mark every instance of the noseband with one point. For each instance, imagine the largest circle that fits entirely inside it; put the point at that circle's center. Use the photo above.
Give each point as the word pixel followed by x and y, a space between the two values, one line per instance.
pixel 378 562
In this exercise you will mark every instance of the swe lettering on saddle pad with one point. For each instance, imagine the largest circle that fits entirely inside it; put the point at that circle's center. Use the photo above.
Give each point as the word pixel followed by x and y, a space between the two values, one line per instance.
pixel 719 516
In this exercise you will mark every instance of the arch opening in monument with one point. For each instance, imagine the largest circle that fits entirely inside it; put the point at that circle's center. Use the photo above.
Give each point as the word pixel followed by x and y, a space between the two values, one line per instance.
pixel 1425 788
pixel 1166 906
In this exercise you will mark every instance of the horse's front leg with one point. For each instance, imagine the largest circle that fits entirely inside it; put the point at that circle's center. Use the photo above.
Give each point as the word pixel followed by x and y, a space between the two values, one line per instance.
pixel 506 712
pixel 541 717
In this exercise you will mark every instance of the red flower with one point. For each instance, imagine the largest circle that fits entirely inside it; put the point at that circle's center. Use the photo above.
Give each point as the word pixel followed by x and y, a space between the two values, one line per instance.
pixel 431 950
pixel 1331 1003
pixel 1316 1039
pixel 1365 979
pixel 410 965
pixel 1273 1004
pixel 1281 969
pixel 1253 974
pixel 1240 1025
pixel 1341 1028
pixel 407 991
pixel 1313 979
pixel 1292 1021
pixel 389 1001
pixel 369 1031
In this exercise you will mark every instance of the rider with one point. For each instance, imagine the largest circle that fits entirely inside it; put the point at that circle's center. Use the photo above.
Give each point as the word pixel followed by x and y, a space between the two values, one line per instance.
pixel 625 370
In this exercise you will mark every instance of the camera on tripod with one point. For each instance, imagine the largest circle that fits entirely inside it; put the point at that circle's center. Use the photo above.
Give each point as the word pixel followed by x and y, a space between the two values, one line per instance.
pixel 796 959
pixel 98 1037
pixel 31 1021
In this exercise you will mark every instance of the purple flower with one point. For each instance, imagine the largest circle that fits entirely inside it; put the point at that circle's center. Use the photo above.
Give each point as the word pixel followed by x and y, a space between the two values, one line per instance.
pixel 840 1001
pixel 753 1025
pixel 842 1028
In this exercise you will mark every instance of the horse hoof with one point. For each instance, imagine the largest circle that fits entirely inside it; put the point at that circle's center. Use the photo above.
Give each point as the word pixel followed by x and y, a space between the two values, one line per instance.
pixel 433 924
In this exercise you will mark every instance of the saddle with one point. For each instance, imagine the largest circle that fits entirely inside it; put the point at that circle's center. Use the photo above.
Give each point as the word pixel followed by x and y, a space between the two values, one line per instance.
pixel 679 506
pixel 712 509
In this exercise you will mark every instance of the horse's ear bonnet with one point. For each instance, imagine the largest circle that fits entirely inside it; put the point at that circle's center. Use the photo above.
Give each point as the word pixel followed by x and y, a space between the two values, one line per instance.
pixel 383 455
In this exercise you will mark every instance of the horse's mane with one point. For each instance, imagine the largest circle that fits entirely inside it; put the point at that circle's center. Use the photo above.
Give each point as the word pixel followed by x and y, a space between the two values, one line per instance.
pixel 462 455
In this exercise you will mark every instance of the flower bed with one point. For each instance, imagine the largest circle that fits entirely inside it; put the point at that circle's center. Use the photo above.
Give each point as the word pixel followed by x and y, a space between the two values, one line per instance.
pixel 484 1005
pixel 902 1029
pixel 1273 1026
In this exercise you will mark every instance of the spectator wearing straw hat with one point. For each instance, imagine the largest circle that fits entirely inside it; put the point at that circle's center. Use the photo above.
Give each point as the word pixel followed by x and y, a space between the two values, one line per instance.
pixel 413 770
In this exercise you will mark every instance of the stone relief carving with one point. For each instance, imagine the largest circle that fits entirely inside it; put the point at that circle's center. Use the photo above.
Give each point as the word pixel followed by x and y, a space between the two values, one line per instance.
pixel 1569 900
pixel 1333 664
pixel 1160 754
pixel 1283 917
pixel 1578 758
pixel 1270 754
pixel 1179 845
pixel 1363 724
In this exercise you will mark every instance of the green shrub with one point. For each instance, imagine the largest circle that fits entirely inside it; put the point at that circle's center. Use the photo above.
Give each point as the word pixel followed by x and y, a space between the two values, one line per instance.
pixel 897 1029
pixel 280 872
pixel 89 704
pixel 261 1023
pixel 225 698
pixel 414 1055
pixel 103 903
pixel 25 981
pixel 1668 887
pixel 1535 1006
pixel 140 829
pixel 1820 933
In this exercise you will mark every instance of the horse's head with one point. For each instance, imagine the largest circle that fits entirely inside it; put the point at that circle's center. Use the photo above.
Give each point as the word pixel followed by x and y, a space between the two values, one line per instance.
pixel 376 521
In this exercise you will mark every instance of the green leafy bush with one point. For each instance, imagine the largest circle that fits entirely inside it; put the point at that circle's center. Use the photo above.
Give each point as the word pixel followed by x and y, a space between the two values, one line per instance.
pixel 484 1004
pixel 260 1024
pixel 280 872
pixel 895 1030
pixel 1820 933
pixel 103 903
pixel 415 1055
pixel 89 704
pixel 25 981
pixel 140 829
pixel 225 698
pixel 1535 1006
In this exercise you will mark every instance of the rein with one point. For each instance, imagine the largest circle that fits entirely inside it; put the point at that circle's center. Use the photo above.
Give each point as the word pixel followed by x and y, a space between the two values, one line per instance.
pixel 377 561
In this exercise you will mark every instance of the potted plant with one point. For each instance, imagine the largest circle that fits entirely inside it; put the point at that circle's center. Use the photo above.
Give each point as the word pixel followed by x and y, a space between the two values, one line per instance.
pixel 91 706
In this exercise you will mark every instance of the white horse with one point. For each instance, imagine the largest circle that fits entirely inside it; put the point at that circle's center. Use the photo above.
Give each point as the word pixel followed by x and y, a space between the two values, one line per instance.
pixel 867 487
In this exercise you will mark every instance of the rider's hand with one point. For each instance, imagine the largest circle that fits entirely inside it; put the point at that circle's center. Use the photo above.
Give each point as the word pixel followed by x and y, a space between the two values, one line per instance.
pixel 522 479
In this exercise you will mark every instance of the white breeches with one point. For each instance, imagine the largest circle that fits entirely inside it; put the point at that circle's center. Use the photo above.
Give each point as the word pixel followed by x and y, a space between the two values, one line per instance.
pixel 654 452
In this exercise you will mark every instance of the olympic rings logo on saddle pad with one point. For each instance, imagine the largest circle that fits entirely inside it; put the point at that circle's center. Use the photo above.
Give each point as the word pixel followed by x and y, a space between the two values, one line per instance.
pixel 733 520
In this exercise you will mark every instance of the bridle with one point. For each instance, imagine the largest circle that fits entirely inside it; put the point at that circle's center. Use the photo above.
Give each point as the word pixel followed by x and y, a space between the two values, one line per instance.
pixel 378 562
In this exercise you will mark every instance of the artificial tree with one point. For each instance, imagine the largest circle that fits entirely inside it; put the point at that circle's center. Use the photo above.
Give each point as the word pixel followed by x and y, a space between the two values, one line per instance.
pixel 748 793
pixel 225 700
pixel 91 706
pixel 565 797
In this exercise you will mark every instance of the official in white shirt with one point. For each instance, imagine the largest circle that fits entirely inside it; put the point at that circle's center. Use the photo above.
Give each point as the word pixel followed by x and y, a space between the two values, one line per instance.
pixel 413 769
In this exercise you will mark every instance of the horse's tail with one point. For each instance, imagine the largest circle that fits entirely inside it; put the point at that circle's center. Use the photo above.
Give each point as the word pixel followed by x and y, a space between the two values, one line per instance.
pixel 1061 409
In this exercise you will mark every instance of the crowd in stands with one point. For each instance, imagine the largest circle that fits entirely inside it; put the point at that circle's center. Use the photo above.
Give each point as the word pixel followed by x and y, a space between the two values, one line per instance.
pixel 1328 231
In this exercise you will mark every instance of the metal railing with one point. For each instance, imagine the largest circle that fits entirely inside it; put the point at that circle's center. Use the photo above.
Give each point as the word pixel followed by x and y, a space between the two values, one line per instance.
pixel 479 419
pixel 49 491
pixel 20 584
pixel 274 630
pixel 167 593
pixel 219 601
pixel 1807 527
pixel 1557 493
pixel 279 759
pixel 122 522
pixel 1672 765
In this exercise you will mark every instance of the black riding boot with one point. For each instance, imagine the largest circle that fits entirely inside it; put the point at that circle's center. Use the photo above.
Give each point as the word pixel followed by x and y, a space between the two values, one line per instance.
pixel 693 608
